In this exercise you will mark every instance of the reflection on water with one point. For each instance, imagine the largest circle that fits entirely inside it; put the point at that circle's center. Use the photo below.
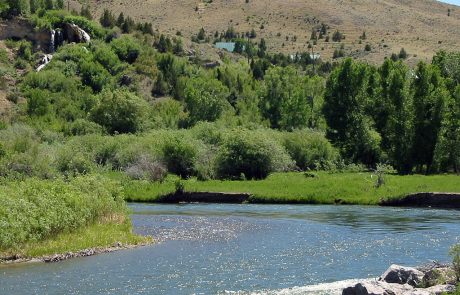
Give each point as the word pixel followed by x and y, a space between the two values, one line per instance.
pixel 249 249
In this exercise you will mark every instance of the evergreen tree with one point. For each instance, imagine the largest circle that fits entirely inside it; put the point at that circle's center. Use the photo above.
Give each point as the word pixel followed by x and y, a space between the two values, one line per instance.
pixel 107 19
pixel 164 44
pixel 239 47
pixel 86 12
pixel 262 48
pixel 128 25
pixel 402 54
pixel 201 35
pixel 49 4
pixel 120 20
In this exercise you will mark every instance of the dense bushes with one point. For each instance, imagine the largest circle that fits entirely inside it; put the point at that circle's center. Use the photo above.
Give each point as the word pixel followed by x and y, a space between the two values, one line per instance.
pixel 180 156
pixel 33 210
pixel 310 150
pixel 206 99
pixel 250 155
pixel 123 84
pixel 207 151
pixel 120 111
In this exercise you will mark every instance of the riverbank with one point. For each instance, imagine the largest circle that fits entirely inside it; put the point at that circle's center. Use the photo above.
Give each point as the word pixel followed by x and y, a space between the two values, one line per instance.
pixel 42 218
pixel 88 241
pixel 353 188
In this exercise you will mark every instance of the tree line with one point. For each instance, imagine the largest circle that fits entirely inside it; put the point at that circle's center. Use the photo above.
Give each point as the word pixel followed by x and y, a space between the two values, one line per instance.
pixel 393 114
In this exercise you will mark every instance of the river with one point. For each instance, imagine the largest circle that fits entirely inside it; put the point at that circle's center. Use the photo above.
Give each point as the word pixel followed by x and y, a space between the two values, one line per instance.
pixel 249 249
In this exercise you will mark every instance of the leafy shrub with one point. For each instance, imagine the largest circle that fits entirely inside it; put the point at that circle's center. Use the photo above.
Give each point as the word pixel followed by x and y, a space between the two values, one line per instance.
pixel 120 111
pixel 208 132
pixel 180 154
pixel 71 162
pixel 251 155
pixel 93 74
pixel 33 210
pixel 309 149
pixel 18 138
pixel 77 53
pixel 38 103
pixel 83 127
pixel 168 113
pixel 25 50
pixel 126 48
pixel 104 55
pixel 205 99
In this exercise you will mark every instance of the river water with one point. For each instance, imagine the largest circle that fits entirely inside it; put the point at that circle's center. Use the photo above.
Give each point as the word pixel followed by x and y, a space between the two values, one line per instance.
pixel 249 249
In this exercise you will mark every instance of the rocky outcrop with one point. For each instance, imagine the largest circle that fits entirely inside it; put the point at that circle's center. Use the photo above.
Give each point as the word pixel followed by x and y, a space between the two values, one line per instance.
pixel 396 274
pixel 22 29
pixel 377 288
pixel 42 39
pixel 73 33
pixel 400 280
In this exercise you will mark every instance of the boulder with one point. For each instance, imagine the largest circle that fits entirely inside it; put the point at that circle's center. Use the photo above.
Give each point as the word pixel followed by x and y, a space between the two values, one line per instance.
pixel 377 288
pixel 397 274
pixel 74 33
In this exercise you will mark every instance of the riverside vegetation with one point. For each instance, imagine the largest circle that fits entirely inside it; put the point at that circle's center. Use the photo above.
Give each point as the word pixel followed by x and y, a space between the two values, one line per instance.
pixel 129 115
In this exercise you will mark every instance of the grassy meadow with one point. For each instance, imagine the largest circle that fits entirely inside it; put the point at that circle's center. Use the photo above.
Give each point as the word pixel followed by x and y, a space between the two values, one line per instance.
pixel 293 187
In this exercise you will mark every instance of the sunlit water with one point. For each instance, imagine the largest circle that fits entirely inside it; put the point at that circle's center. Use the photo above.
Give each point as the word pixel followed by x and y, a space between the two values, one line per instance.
pixel 249 249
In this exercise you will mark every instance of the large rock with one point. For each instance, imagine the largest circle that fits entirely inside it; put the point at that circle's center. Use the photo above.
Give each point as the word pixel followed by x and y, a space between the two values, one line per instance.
pixel 397 274
pixel 74 33
pixel 377 288
pixel 22 29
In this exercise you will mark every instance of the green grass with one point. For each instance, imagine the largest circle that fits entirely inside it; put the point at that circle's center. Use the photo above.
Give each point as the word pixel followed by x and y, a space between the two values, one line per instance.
pixel 42 217
pixel 326 188
pixel 98 235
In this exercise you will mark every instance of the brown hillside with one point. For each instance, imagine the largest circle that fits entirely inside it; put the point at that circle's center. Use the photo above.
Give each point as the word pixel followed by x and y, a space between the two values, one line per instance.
pixel 422 27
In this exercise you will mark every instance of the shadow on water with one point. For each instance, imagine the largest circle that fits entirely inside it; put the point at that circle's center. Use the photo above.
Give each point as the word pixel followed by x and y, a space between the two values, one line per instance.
pixel 360 217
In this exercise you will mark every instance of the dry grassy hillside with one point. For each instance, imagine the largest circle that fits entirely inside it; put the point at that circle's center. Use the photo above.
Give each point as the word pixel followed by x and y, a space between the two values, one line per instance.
pixel 420 26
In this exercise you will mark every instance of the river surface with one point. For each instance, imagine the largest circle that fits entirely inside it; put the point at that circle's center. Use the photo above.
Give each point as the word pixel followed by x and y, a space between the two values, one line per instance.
pixel 249 249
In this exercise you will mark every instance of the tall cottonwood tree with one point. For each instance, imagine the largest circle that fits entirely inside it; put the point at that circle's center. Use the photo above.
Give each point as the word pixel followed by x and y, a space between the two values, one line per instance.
pixel 398 130
pixel 345 103
pixel 447 153
pixel 430 96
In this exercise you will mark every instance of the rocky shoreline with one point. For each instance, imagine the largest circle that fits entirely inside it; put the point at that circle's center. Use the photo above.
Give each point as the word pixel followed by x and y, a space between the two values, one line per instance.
pixel 433 279
pixel 15 259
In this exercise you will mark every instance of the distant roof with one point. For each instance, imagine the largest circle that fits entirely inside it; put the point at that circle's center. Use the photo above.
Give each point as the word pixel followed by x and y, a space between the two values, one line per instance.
pixel 313 56
pixel 229 46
